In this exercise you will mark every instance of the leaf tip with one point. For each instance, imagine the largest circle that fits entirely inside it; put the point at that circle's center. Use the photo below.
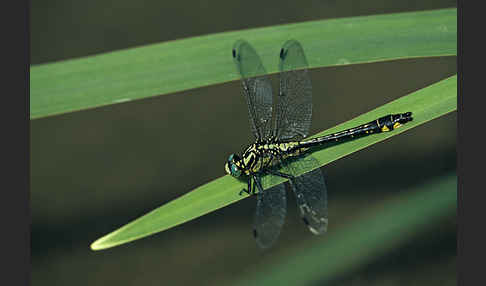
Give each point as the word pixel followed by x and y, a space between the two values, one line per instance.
pixel 96 245
pixel 101 244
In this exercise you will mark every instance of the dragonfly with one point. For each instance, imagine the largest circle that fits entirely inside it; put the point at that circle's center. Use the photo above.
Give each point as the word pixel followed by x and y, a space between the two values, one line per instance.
pixel 280 149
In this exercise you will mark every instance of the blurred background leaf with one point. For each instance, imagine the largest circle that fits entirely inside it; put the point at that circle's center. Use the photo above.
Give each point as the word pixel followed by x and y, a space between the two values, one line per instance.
pixel 382 228
pixel 92 171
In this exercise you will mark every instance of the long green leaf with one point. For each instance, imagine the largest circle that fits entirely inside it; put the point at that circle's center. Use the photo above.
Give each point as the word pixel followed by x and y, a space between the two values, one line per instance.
pixel 426 104
pixel 169 67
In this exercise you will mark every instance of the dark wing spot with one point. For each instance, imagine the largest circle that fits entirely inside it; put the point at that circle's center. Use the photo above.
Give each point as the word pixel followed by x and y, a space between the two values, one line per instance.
pixel 283 54
pixel 255 233
pixel 304 219
pixel 234 53
pixel 282 94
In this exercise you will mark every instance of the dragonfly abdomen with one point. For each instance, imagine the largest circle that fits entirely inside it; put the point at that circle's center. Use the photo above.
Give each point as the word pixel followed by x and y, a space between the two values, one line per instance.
pixel 382 124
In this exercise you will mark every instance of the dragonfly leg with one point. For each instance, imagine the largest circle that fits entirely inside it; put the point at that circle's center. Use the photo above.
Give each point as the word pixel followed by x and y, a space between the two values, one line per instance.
pixel 248 191
pixel 258 184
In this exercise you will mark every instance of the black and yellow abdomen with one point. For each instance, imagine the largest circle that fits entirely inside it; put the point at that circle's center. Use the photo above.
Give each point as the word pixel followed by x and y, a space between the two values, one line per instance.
pixel 382 124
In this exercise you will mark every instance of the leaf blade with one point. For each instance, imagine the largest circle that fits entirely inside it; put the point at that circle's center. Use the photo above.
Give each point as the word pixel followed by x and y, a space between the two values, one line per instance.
pixel 426 104
pixel 169 67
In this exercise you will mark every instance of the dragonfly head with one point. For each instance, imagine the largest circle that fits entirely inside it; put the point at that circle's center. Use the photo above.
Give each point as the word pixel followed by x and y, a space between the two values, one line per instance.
pixel 400 119
pixel 231 166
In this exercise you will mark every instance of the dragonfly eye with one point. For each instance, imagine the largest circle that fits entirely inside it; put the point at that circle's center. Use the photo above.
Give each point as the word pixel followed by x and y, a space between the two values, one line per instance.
pixel 235 171
pixel 231 167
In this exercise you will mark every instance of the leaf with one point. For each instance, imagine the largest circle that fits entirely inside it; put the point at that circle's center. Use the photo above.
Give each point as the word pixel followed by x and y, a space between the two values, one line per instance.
pixel 426 104
pixel 380 230
pixel 121 76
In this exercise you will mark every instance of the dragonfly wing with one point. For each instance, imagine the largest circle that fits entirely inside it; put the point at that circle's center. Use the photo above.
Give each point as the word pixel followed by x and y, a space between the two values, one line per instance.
pixel 270 214
pixel 257 88
pixel 310 193
pixel 293 112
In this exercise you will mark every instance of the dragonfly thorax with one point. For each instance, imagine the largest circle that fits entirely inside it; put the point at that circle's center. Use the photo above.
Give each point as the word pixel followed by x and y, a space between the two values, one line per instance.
pixel 261 155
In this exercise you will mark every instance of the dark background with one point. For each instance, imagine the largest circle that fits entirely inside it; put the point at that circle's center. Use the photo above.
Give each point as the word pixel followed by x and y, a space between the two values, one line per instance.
pixel 96 170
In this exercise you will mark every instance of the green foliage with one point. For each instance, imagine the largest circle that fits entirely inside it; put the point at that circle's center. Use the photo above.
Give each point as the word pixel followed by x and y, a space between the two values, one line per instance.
pixel 382 229
pixel 426 104
pixel 164 68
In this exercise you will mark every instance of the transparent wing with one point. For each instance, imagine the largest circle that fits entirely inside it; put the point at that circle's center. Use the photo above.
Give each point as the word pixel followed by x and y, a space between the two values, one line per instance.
pixel 310 193
pixel 257 88
pixel 270 214
pixel 293 112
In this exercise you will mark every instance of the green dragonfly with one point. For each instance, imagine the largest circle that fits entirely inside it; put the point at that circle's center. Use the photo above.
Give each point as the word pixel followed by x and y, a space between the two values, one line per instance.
pixel 279 149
